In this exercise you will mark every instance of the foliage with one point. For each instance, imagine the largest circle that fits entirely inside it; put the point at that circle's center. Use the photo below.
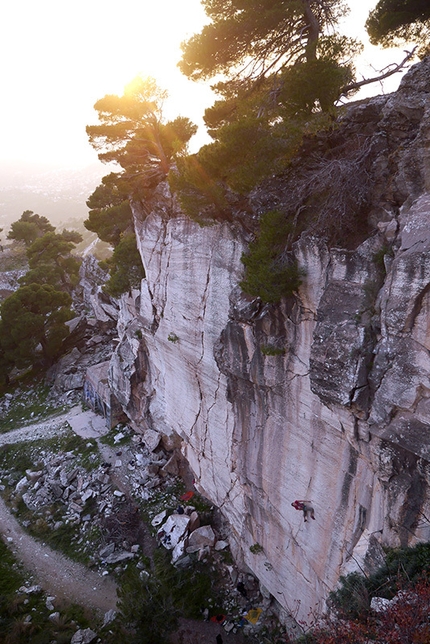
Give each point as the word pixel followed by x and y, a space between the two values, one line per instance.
pixel 254 38
pixel 110 214
pixel 352 597
pixel 15 607
pixel 172 337
pixel 27 321
pixel 398 21
pixel 34 315
pixel 132 133
pixel 201 196
pixel 147 612
pixel 51 261
pixel 10 577
pixel 403 566
pixel 256 548
pixel 284 65
pixel 125 266
pixel 403 622
pixel 29 227
pixel 271 350
pixel 151 603
pixel 269 146
pixel 406 564
pixel 269 272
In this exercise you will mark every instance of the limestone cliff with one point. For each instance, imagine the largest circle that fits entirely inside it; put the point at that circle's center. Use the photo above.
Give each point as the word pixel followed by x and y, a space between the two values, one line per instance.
pixel 340 414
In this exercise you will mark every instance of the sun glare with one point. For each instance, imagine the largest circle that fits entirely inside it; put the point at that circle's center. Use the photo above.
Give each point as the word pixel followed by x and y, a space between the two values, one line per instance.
pixel 63 57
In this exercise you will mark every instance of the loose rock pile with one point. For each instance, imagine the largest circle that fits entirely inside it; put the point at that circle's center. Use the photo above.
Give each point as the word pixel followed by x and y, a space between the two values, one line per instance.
pixel 94 497
pixel 91 498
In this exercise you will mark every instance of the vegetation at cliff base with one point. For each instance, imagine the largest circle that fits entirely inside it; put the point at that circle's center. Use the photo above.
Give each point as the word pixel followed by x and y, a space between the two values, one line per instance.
pixel 403 579
pixel 24 616
pixel 150 604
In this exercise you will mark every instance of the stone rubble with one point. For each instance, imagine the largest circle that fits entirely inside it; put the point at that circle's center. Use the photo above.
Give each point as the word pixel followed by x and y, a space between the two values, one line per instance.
pixel 88 499
pixel 60 491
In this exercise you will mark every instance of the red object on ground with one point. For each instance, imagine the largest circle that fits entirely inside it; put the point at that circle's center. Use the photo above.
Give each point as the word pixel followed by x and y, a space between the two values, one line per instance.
pixel 187 496
pixel 218 618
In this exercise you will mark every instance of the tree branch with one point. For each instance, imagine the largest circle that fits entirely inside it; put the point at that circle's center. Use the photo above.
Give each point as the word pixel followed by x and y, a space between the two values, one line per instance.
pixel 393 69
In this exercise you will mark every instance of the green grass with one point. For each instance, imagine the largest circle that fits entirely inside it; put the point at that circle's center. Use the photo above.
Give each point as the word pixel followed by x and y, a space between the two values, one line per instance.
pixel 150 607
pixel 11 577
pixel 17 457
pixel 15 606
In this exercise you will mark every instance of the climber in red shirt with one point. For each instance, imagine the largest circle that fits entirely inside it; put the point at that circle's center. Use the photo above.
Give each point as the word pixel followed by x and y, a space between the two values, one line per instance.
pixel 306 508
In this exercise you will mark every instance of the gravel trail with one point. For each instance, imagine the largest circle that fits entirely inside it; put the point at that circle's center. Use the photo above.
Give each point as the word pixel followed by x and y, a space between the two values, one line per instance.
pixel 43 429
pixel 57 574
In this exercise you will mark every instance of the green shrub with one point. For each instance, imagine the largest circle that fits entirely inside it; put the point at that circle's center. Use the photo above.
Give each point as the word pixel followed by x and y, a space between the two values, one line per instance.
pixel 270 273
pixel 271 350
pixel 403 566
pixel 151 604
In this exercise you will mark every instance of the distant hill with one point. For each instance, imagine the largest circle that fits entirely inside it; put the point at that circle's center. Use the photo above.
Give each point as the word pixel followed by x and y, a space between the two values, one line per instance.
pixel 58 194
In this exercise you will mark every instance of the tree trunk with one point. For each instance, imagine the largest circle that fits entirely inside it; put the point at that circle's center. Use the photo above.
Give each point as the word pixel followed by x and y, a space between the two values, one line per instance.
pixel 313 31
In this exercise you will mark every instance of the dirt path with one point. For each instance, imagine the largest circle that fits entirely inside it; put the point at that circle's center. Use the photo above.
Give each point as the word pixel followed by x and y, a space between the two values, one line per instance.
pixel 56 574
pixel 44 429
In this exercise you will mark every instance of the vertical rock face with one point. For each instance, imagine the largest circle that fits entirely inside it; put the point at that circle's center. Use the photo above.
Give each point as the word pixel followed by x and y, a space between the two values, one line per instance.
pixel 325 397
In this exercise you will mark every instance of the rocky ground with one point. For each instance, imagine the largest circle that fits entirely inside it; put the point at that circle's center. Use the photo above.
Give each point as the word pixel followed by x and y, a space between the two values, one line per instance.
pixel 78 484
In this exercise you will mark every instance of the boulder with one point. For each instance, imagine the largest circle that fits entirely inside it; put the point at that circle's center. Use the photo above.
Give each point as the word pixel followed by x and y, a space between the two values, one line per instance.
pixel 83 636
pixel 202 537
pixel 116 557
pixel 194 521
pixel 107 551
pixel 158 519
pixel 173 530
pixel 151 439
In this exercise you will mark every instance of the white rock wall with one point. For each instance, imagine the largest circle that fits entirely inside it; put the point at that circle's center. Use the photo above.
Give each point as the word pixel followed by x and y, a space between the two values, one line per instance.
pixel 252 430
pixel 341 419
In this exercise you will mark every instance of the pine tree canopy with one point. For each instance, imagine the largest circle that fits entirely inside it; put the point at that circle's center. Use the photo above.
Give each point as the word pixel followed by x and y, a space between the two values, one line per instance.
pixel 253 38
pixel 394 21
pixel 132 132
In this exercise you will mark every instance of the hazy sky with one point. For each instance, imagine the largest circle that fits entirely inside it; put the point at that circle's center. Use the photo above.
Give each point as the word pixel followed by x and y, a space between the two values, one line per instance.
pixel 58 58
